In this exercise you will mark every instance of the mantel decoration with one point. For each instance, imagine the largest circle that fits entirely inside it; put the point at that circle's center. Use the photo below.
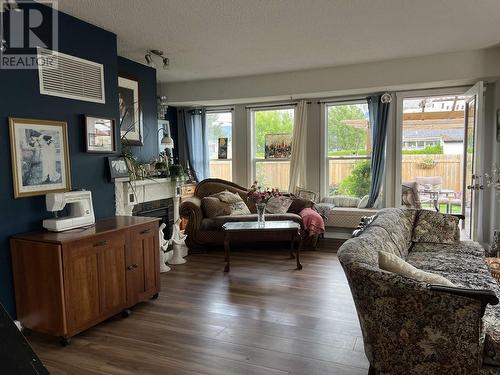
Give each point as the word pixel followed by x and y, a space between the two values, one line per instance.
pixel 260 196
pixel 40 157
pixel 130 111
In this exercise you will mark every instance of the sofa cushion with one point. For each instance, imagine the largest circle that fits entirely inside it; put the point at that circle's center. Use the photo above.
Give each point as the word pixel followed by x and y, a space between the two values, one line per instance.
pixel 235 202
pixel 298 204
pixel 436 227
pixel 342 201
pixel 399 225
pixel 449 263
pixel 344 217
pixel 278 205
pixel 217 222
pixel 459 248
pixel 213 207
pixel 393 263
pixel 363 202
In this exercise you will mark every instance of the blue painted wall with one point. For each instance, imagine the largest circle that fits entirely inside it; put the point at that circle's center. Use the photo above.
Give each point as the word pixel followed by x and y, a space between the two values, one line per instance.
pixel 20 97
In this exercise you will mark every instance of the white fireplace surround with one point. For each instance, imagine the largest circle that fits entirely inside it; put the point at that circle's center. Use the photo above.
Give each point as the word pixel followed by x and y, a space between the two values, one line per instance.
pixel 129 193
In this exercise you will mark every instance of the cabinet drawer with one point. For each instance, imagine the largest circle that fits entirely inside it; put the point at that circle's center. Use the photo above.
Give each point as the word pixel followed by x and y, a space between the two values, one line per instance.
pixel 146 230
pixel 104 241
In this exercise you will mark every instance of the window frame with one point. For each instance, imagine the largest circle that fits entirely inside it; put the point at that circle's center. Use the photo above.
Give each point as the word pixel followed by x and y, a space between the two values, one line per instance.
pixel 224 110
pixel 252 135
pixel 325 159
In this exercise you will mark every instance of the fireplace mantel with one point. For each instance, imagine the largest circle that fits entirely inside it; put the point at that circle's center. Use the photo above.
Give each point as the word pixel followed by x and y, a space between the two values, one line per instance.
pixel 129 193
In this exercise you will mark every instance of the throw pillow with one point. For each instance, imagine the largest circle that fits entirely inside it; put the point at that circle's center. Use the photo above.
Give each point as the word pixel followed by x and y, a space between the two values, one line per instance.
pixel 345 201
pixel 278 205
pixel 235 202
pixel 213 207
pixel 392 263
pixel 363 202
pixel 435 227
pixel 298 204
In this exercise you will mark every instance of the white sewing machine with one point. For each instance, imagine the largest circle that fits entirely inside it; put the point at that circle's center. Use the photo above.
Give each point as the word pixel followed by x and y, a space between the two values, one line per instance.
pixel 80 212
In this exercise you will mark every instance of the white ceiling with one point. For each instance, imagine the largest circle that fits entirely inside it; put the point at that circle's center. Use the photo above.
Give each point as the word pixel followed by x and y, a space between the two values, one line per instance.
pixel 225 38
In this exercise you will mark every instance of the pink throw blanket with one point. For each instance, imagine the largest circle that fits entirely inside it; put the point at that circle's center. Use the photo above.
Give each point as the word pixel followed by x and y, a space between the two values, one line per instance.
pixel 312 221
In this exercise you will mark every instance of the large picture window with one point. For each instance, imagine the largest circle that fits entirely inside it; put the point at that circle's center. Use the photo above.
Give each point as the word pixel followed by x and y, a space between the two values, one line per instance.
pixel 220 143
pixel 348 149
pixel 272 134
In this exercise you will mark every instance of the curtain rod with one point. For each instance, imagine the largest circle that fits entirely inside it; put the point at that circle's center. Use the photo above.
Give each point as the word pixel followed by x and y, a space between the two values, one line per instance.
pixel 291 104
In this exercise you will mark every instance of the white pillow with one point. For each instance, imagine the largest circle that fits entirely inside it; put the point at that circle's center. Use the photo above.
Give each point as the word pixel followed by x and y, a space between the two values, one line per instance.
pixel 363 202
pixel 393 263
pixel 278 205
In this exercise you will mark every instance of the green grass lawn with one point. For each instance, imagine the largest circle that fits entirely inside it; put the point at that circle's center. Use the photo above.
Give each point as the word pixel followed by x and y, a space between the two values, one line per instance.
pixel 455 209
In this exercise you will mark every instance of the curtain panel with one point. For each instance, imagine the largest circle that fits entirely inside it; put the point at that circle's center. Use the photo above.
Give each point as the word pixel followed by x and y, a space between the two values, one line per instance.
pixel 298 159
pixel 378 113
pixel 194 131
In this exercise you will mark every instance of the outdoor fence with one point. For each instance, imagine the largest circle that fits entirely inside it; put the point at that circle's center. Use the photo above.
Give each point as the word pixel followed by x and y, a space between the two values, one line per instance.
pixel 276 174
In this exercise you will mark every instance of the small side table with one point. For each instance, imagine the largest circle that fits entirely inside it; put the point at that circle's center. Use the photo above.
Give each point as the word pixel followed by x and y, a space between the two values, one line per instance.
pixel 494 266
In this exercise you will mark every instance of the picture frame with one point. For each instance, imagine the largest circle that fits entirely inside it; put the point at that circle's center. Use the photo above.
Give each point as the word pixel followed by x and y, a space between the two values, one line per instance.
pixel 222 148
pixel 498 125
pixel 118 167
pixel 40 156
pixel 99 134
pixel 130 111
pixel 306 194
pixel 278 146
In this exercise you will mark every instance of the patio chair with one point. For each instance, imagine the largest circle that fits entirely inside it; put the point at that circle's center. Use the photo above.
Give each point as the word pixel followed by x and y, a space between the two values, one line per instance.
pixel 429 188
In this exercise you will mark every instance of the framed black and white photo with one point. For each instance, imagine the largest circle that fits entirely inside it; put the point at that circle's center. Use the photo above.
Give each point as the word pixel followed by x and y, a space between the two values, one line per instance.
pixel 40 157
pixel 130 113
pixel 99 134
pixel 118 167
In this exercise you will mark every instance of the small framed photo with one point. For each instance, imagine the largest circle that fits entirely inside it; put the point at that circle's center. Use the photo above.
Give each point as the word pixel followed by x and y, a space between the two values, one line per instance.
pixel 306 194
pixel 40 157
pixel 222 151
pixel 118 167
pixel 99 134
pixel 498 125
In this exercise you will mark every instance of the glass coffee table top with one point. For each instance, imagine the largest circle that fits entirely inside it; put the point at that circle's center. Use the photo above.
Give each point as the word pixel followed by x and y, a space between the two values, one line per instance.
pixel 254 225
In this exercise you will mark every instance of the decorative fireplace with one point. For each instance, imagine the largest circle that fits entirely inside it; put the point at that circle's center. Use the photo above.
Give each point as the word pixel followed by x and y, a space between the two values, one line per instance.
pixel 162 208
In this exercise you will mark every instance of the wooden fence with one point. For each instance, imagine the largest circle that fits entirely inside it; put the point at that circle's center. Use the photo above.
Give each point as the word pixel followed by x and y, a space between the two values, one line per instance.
pixel 276 174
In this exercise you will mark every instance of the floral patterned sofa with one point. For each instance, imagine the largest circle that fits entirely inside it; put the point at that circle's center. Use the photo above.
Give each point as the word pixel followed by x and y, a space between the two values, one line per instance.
pixel 410 327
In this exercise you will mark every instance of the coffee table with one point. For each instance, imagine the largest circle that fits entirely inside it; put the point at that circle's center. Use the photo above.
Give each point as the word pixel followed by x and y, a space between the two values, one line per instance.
pixel 235 228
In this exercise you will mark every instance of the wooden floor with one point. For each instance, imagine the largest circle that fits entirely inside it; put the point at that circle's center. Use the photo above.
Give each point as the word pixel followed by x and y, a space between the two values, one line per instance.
pixel 262 318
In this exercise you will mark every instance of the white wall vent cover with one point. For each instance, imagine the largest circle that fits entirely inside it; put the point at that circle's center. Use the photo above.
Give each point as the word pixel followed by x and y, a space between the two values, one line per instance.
pixel 70 77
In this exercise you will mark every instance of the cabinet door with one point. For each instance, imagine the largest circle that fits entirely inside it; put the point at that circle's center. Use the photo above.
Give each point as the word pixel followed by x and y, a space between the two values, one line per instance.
pixel 143 264
pixel 112 284
pixel 94 279
pixel 81 286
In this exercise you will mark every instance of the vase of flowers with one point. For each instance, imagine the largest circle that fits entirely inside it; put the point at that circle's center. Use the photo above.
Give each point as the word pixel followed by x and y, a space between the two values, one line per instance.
pixel 260 196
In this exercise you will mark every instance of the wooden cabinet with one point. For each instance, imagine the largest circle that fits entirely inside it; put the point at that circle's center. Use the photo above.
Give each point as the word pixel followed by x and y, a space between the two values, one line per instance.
pixel 67 282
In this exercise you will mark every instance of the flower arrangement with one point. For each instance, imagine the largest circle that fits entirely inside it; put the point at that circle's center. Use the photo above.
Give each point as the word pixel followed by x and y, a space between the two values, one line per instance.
pixel 493 179
pixel 258 194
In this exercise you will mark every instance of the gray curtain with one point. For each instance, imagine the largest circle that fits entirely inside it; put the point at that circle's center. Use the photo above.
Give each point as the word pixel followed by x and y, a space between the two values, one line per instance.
pixel 193 151
pixel 378 113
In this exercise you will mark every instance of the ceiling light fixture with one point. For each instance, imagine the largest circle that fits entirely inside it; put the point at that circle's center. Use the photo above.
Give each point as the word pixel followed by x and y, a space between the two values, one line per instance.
pixel 156 52
pixel 9 5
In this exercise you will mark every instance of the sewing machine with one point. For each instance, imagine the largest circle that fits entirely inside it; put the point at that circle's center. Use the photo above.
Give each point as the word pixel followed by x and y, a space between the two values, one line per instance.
pixel 80 210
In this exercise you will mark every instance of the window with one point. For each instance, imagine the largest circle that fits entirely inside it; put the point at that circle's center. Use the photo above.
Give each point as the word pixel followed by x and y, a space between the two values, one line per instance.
pixel 272 135
pixel 220 143
pixel 348 149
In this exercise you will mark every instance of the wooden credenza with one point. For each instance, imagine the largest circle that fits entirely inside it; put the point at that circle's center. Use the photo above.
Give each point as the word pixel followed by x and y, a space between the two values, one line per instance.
pixel 70 281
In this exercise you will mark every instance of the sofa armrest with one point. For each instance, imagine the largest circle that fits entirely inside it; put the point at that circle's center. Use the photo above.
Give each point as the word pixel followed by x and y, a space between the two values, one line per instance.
pixel 411 327
pixel 191 209
pixel 483 296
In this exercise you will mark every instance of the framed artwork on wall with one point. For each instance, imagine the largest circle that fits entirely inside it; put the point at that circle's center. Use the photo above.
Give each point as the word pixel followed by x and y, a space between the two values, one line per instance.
pixel 278 146
pixel 222 149
pixel 118 167
pixel 40 157
pixel 130 111
pixel 99 134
